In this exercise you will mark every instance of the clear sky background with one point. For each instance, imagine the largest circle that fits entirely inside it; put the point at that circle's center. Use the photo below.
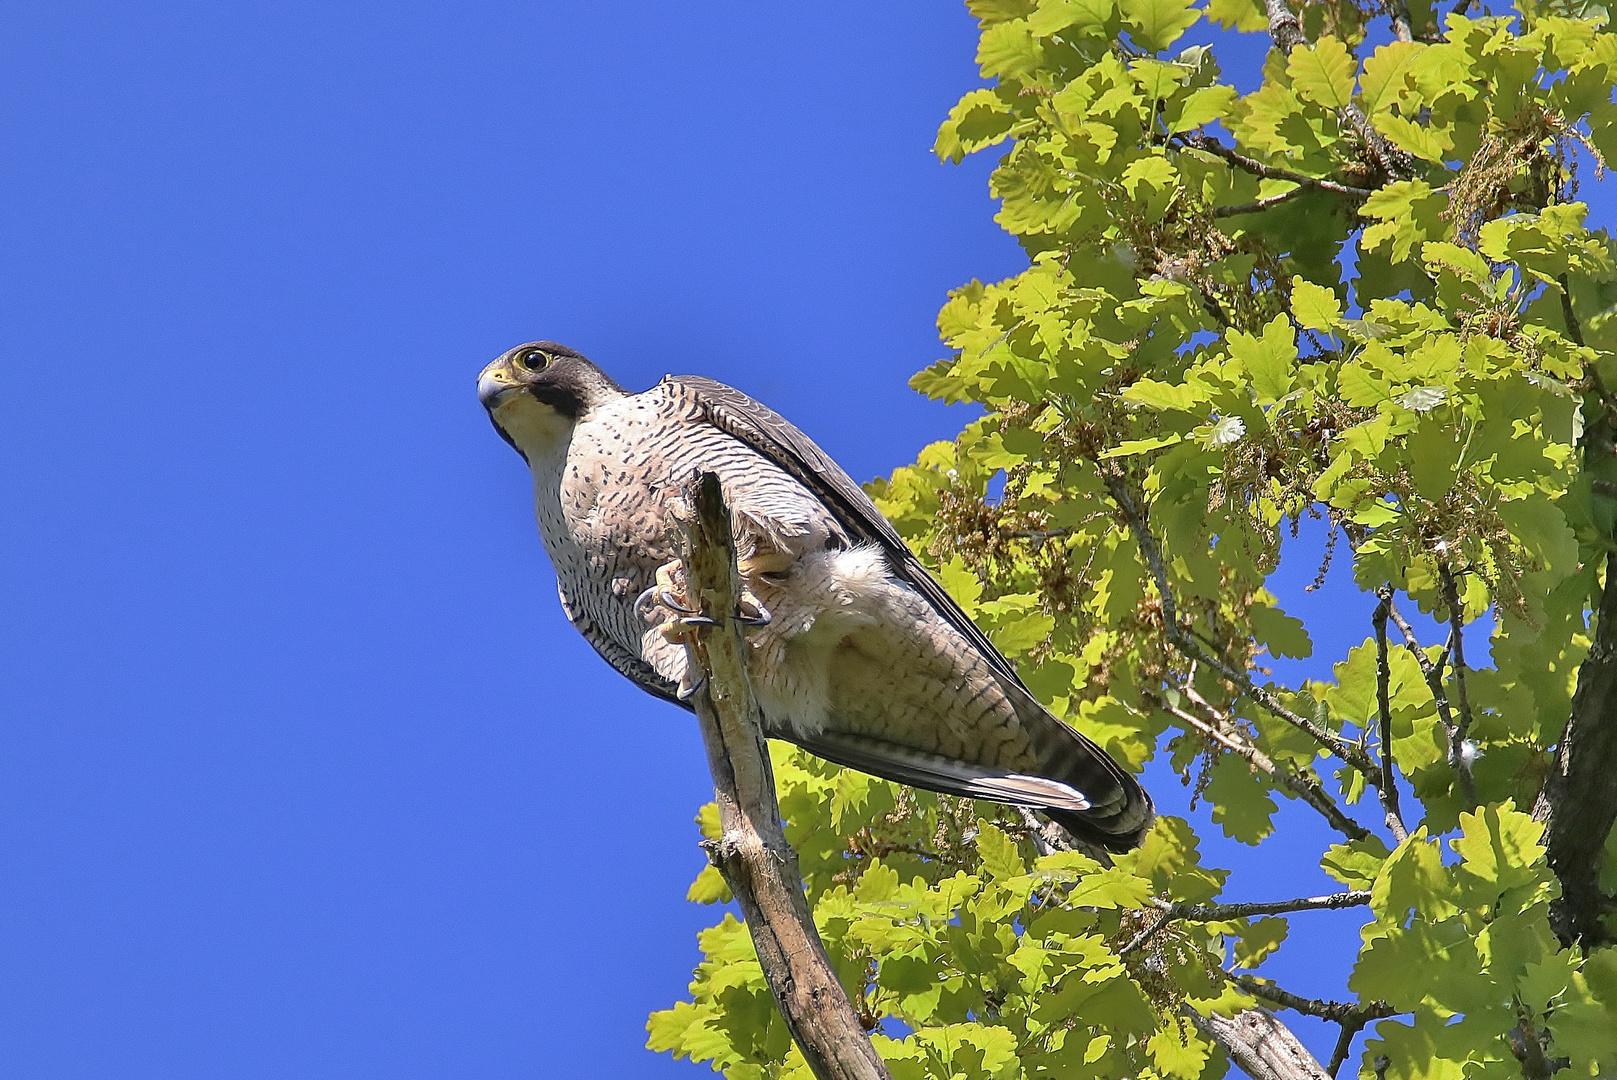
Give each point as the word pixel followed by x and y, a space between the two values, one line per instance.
pixel 302 772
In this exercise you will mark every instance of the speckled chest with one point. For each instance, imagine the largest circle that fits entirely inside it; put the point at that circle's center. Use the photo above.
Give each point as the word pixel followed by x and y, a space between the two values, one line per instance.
pixel 603 499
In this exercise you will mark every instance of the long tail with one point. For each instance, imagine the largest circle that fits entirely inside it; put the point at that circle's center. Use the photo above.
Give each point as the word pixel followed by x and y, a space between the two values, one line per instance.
pixel 1074 781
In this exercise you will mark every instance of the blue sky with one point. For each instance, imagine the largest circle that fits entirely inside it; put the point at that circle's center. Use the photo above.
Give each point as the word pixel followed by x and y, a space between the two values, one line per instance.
pixel 302 773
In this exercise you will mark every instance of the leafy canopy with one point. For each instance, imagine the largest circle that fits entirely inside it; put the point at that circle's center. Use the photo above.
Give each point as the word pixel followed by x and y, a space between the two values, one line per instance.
pixel 1365 291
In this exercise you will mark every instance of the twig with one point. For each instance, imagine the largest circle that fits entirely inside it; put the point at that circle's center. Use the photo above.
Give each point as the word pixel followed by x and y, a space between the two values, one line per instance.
pixel 752 853
pixel 1187 644
pixel 1208 144
pixel 1461 750
pixel 1300 784
pixel 1225 912
pixel 1335 1011
pixel 1258 204
pixel 1387 790
pixel 1145 935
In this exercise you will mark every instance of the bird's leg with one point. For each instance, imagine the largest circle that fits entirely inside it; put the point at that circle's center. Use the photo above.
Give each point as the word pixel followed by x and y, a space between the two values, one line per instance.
pixel 670 594
pixel 667 607
pixel 759 570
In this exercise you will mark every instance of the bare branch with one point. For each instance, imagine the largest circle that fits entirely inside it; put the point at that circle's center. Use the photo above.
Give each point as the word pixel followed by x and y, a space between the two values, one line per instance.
pixel 752 853
pixel 1258 204
pixel 1387 790
pixel 1210 145
pixel 1192 649
pixel 1340 1012
pixel 1225 912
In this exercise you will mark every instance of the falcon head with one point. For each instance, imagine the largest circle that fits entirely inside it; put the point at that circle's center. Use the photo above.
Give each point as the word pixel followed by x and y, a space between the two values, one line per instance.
pixel 534 393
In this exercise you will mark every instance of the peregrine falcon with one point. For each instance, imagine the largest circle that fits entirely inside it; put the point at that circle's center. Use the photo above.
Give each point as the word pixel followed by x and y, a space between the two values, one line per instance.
pixel 856 653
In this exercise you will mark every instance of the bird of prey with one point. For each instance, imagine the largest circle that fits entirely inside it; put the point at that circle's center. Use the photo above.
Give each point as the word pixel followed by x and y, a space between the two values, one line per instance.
pixel 856 653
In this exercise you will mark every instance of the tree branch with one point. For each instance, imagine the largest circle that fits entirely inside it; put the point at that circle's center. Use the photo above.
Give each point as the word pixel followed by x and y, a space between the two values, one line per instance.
pixel 1433 674
pixel 1287 33
pixel 1353 1018
pixel 1402 28
pixel 1579 800
pixel 1258 204
pixel 1461 752
pixel 1145 935
pixel 1284 28
pixel 1527 1048
pixel 1210 145
pixel 1387 790
pixel 1299 783
pixel 1260 1045
pixel 1574 330
pixel 1224 912
pixel 752 853
pixel 1340 1012
pixel 1192 649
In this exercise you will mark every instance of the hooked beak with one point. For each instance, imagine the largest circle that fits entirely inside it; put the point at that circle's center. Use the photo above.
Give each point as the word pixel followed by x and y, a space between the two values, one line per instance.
pixel 492 385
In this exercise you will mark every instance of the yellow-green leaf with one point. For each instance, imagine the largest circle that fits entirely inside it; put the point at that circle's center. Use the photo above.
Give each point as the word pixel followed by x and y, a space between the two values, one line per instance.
pixel 1156 24
pixel 1203 107
pixel 1384 74
pixel 1322 73
pixel 1315 306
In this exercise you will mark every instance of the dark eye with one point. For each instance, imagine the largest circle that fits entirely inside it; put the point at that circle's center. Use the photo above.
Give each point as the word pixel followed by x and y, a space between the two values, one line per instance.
pixel 533 360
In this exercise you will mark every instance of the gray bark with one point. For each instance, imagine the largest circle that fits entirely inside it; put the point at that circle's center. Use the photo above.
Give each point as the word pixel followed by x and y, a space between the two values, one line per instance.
pixel 752 853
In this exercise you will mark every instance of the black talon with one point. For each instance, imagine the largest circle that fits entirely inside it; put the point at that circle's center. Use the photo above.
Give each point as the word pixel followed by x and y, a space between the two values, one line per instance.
pixel 689 692
pixel 666 599
pixel 640 602
pixel 697 620
pixel 763 618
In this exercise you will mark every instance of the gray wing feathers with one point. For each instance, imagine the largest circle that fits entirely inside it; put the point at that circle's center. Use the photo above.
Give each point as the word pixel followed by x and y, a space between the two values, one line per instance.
pixel 1082 787
pixel 777 438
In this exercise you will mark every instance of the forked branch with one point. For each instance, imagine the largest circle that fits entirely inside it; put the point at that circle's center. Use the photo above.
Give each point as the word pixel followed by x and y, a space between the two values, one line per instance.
pixel 1299 782
pixel 752 853
pixel 1192 649
pixel 1432 671
pixel 1387 790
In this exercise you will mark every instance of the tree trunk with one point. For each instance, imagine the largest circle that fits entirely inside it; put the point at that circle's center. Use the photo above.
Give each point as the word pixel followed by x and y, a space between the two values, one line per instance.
pixel 1579 801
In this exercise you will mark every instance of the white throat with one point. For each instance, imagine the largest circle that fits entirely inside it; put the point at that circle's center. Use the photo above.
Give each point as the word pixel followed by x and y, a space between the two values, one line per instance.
pixel 540 432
